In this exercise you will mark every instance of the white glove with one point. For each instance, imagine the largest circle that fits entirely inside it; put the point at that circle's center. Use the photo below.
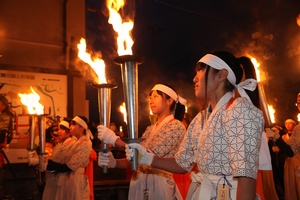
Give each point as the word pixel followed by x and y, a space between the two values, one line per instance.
pixel 272 133
pixel 106 159
pixel 33 158
pixel 144 157
pixel 43 162
pixel 106 135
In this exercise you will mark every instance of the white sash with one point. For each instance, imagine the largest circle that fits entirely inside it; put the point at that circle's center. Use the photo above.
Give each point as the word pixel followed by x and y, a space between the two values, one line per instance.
pixel 204 187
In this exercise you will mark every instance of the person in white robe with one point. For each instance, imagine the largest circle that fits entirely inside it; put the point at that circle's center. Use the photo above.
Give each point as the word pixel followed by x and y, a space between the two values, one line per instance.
pixel 224 139
pixel 73 184
pixel 59 155
pixel 162 139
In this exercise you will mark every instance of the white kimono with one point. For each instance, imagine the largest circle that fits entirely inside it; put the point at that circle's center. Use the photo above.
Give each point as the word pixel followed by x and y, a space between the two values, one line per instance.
pixel 59 155
pixel 75 185
pixel 163 141
pixel 227 141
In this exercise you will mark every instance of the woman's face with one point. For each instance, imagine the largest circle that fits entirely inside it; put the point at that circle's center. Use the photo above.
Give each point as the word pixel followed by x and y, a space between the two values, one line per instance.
pixel 63 134
pixel 199 81
pixel 157 103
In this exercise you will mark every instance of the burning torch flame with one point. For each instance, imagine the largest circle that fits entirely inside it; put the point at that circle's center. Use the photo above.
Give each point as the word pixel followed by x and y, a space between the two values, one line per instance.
pixel 270 108
pixel 123 29
pixel 97 64
pixel 32 102
pixel 272 113
pixel 123 110
pixel 150 112
pixel 298 20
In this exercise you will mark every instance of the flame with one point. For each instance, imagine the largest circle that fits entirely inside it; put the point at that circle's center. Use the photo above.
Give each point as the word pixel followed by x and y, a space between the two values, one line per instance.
pixel 260 75
pixel 32 102
pixel 97 63
pixel 298 117
pixel 271 113
pixel 256 65
pixel 123 110
pixel 298 20
pixel 124 40
pixel 150 111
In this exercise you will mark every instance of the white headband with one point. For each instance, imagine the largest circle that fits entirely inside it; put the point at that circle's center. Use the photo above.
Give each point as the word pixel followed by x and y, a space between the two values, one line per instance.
pixel 217 63
pixel 167 90
pixel 65 124
pixel 290 121
pixel 82 123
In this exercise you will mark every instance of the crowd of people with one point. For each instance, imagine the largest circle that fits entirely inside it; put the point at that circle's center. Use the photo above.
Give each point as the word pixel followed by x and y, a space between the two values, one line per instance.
pixel 223 149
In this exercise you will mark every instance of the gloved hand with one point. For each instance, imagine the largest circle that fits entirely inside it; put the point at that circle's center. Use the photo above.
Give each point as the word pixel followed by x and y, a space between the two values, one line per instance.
pixel 43 162
pixel 144 157
pixel 106 159
pixel 33 158
pixel 106 135
pixel 272 133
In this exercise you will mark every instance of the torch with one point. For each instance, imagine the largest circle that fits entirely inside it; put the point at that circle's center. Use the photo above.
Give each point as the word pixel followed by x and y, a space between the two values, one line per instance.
pixel 265 107
pixel 104 108
pixel 129 71
pixel 36 111
pixel 152 118
pixel 32 129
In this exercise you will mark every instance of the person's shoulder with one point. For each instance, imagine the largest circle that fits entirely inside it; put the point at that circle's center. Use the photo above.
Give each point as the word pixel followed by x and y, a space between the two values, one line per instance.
pixel 244 104
pixel 178 123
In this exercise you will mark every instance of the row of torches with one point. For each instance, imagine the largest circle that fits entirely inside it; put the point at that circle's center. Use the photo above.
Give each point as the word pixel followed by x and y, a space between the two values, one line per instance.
pixel 129 68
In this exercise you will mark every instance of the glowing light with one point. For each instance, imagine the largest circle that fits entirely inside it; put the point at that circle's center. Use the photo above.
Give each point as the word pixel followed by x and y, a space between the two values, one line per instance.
pixel 271 113
pixel 298 20
pixel 123 110
pixel 298 117
pixel 31 100
pixel 123 28
pixel 256 65
pixel 97 64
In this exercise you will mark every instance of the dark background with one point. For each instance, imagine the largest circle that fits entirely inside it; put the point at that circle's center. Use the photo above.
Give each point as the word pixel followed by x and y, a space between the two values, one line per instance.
pixel 173 35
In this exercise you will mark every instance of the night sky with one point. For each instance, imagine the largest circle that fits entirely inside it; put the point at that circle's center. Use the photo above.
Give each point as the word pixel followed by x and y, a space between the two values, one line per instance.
pixel 173 35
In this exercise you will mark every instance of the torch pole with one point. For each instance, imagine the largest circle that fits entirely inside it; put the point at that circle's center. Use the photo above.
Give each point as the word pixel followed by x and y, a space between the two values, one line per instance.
pixel 32 129
pixel 129 71
pixel 41 133
pixel 104 108
pixel 42 154
pixel 264 105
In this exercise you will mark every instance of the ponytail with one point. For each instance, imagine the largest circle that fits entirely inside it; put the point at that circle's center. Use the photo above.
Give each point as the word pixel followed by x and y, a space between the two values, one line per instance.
pixel 249 71
pixel 179 111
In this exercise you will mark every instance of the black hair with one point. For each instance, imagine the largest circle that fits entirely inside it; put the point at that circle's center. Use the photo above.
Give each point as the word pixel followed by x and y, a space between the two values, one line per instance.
pixel 179 108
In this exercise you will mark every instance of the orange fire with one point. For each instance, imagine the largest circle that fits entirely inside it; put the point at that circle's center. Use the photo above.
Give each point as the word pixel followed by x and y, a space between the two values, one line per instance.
pixel 97 64
pixel 123 111
pixel 272 113
pixel 261 79
pixel 298 117
pixel 150 111
pixel 123 28
pixel 298 20
pixel 32 102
